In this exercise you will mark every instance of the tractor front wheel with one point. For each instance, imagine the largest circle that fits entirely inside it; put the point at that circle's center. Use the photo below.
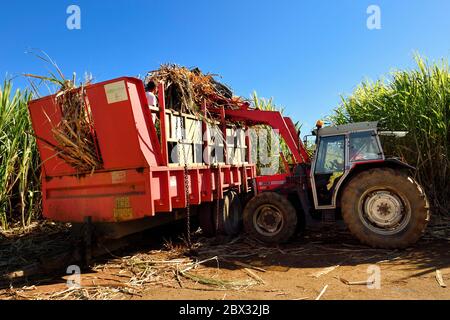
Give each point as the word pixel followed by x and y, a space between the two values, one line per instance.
pixel 270 217
pixel 385 208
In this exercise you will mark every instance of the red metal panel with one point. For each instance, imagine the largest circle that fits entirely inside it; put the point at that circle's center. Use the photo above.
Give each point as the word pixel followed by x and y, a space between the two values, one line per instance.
pixel 195 197
pixel 293 131
pixel 206 185
pixel 115 125
pixel 268 183
pixel 162 121
pixel 148 138
pixel 106 197
pixel 148 119
pixel 235 176
pixel 177 189
pixel 296 136
pixel 160 187
pixel 45 115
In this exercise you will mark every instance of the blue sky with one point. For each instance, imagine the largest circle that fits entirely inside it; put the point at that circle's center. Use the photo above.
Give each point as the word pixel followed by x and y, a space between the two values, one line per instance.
pixel 305 54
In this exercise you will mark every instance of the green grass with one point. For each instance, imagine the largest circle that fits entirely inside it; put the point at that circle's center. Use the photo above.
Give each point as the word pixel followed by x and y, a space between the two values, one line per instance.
pixel 19 161
pixel 417 101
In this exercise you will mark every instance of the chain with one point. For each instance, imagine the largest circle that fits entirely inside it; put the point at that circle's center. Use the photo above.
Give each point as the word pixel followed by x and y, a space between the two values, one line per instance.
pixel 217 183
pixel 188 205
pixel 186 183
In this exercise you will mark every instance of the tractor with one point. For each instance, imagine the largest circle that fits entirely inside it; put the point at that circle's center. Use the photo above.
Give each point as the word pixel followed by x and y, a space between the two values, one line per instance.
pixel 347 177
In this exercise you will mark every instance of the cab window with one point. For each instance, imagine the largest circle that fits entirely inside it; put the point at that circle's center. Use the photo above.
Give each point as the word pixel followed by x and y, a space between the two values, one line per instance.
pixel 364 146
pixel 331 155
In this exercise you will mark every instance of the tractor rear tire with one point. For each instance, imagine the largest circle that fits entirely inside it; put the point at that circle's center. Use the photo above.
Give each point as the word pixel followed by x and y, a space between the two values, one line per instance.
pixel 385 208
pixel 229 216
pixel 270 218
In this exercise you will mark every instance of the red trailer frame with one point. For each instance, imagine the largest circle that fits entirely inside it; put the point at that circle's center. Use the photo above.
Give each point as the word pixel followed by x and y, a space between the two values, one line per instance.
pixel 136 180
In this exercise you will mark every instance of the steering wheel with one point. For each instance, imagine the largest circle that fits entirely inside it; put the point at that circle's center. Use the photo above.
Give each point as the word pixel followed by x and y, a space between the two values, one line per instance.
pixel 335 165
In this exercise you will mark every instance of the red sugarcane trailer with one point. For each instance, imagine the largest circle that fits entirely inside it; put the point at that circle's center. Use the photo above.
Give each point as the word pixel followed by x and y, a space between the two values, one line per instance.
pixel 138 186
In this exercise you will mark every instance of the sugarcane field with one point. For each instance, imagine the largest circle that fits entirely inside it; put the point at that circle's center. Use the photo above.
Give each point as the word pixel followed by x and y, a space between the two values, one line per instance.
pixel 171 151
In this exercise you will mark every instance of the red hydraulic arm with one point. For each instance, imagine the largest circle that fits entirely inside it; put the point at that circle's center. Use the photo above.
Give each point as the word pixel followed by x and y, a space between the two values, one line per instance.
pixel 275 120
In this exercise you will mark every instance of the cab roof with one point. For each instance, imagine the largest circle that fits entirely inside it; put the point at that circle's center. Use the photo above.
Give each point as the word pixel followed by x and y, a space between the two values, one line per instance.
pixel 347 128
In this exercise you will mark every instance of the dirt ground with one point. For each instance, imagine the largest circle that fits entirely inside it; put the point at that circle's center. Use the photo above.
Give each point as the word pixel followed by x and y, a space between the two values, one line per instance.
pixel 325 262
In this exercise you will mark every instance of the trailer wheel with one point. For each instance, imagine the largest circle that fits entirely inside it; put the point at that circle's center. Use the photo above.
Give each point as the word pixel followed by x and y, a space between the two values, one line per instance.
pixel 384 208
pixel 206 220
pixel 270 217
pixel 229 219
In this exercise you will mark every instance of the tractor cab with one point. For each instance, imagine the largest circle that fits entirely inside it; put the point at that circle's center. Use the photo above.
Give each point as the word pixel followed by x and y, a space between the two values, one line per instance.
pixel 339 149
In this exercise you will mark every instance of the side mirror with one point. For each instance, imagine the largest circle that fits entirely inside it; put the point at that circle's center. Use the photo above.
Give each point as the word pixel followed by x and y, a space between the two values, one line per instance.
pixel 309 142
